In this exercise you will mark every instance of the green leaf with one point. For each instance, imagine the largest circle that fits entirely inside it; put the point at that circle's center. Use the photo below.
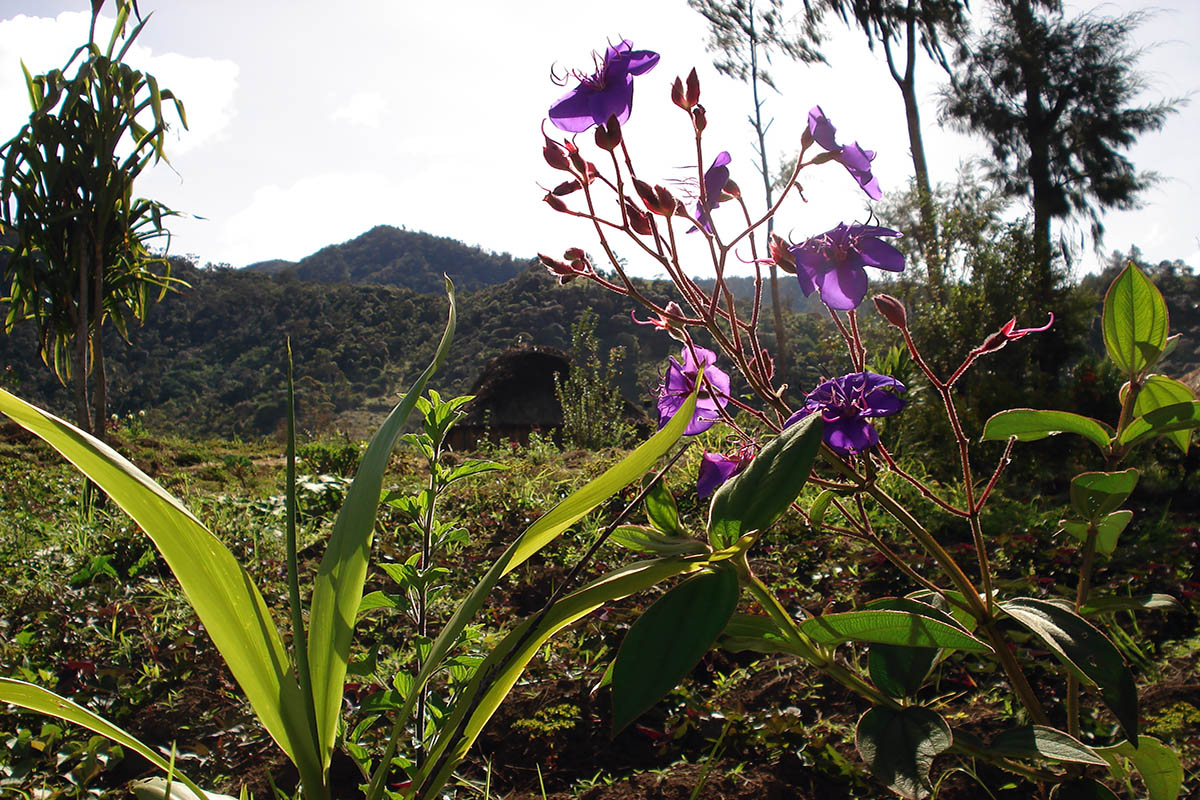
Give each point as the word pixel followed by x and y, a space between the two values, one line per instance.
pixel 1134 321
pixel 886 626
pixel 816 513
pixel 661 509
pixel 1029 424
pixel 898 670
pixel 43 701
pixel 222 593
pixel 1082 789
pixel 1145 602
pixel 1085 651
pixel 338 585
pixel 752 499
pixel 644 539
pixel 1157 392
pixel 1097 494
pixel 472 467
pixel 757 633
pixel 1161 421
pixel 161 789
pixel 375 601
pixel 1107 530
pixel 1157 764
pixel 500 671
pixel 1039 741
pixel 668 640
pixel 899 746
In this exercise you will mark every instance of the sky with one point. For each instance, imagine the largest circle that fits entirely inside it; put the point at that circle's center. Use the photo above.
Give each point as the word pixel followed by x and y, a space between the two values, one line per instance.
pixel 308 127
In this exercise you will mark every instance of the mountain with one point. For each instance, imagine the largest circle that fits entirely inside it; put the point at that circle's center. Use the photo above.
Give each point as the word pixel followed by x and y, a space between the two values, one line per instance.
pixel 390 256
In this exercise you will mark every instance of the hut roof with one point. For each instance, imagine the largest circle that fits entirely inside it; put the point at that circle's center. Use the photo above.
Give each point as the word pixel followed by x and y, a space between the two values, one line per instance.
pixel 517 388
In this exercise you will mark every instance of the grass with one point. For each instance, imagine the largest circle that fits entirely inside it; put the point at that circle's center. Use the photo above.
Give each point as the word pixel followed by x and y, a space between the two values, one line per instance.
pixel 89 611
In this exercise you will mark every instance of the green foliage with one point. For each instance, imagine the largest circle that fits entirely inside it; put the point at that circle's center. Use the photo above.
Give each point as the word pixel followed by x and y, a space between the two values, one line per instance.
pixel 593 408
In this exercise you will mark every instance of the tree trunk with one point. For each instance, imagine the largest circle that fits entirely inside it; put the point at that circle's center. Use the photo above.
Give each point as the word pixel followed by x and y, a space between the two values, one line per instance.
pixel 100 396
pixel 927 234
pixel 79 366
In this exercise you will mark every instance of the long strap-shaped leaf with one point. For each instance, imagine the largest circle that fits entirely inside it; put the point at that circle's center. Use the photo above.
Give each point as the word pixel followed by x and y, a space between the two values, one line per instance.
pixel 540 533
pixel 219 589
pixel 44 701
pixel 497 674
pixel 338 587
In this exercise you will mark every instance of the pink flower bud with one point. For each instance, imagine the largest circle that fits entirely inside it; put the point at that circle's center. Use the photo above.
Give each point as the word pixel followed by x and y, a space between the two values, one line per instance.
pixel 677 95
pixel 892 310
pixel 554 202
pixel 556 155
pixel 693 88
pixel 638 220
pixel 781 254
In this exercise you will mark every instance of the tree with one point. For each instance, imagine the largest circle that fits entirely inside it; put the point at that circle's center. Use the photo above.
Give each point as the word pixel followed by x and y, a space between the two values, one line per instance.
pixel 79 255
pixel 897 24
pixel 1053 97
pixel 744 37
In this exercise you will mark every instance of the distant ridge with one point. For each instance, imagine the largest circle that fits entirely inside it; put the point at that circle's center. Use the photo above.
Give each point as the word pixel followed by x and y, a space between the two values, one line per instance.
pixel 389 256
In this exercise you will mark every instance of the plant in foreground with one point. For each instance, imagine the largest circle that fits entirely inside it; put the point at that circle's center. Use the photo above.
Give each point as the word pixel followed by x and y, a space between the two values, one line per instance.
pixel 952 605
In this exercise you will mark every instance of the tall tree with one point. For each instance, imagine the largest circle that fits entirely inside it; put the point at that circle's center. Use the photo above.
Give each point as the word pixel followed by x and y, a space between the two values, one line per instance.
pixel 899 26
pixel 80 256
pixel 744 34
pixel 1054 98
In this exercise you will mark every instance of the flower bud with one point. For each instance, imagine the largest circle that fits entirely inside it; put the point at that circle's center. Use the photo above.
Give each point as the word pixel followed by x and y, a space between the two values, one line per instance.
pixel 806 139
pixel 566 187
pixel 732 189
pixel 554 202
pixel 646 193
pixel 892 310
pixel 639 220
pixel 556 155
pixel 699 119
pixel 667 201
pixel 577 161
pixel 608 136
pixel 693 88
pixel 554 266
pixel 575 254
pixel 677 95
pixel 781 254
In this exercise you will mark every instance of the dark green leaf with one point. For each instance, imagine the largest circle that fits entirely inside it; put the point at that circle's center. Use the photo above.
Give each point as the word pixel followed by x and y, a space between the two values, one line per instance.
pixel 752 499
pixel 1097 494
pixel 1107 530
pixel 754 632
pixel 1134 322
pixel 1028 425
pixel 899 671
pixel 1085 651
pixel 644 539
pixel 668 640
pixel 899 746
pixel 1039 741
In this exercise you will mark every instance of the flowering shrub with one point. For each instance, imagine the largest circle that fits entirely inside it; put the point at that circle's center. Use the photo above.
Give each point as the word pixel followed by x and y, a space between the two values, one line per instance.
pixel 830 439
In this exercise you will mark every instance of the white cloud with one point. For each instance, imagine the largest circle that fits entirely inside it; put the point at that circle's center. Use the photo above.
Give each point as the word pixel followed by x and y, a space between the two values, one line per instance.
pixel 364 109
pixel 205 85
pixel 293 221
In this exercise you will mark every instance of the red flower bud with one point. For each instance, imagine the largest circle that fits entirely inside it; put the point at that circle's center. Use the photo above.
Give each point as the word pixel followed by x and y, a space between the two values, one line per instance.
pixel 556 155
pixel 554 202
pixel 699 119
pixel 566 188
pixel 577 161
pixel 677 95
pixel 575 254
pixel 645 192
pixel 732 189
pixel 638 220
pixel 892 310
pixel 667 201
pixel 608 136
pixel 555 267
pixel 693 88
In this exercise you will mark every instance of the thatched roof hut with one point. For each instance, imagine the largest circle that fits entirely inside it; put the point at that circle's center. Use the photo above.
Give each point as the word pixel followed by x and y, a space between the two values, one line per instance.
pixel 514 397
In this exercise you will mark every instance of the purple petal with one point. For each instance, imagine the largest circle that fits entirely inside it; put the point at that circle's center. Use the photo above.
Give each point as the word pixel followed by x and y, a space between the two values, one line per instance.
pixel 843 288
pixel 715 469
pixel 668 406
pixel 573 111
pixel 848 435
pixel 877 253
pixel 642 61
pixel 679 378
pixel 614 100
pixel 822 129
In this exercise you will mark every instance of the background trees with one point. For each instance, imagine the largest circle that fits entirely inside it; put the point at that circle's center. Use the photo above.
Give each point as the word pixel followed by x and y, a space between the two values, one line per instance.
pixel 79 253
pixel 1054 97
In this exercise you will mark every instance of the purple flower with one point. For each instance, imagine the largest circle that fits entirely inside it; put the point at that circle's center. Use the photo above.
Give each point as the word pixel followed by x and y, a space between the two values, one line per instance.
pixel 853 157
pixel 606 93
pixel 715 178
pixel 679 382
pixel 833 262
pixel 716 468
pixel 845 403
